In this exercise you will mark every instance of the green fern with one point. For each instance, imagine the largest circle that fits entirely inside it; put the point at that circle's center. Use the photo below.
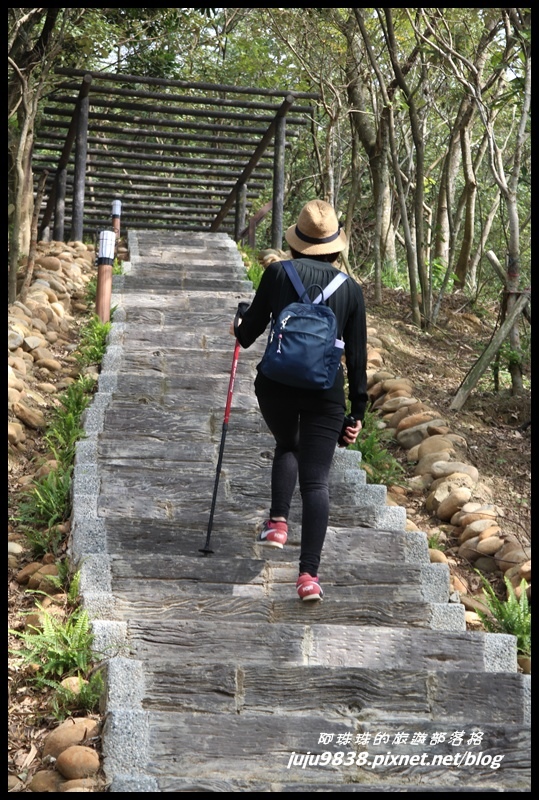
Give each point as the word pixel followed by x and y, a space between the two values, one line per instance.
pixel 93 342
pixel 511 616
pixel 65 702
pixel 47 500
pixel 64 429
pixel 379 464
pixel 66 582
pixel 58 650
pixel 41 542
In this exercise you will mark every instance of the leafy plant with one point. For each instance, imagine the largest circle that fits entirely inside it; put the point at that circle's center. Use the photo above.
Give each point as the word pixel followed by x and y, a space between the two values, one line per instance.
pixel 64 429
pixel 508 616
pixel 47 500
pixel 59 649
pixel 434 542
pixel 77 396
pixel 45 540
pixel 66 702
pixel 253 266
pixel 395 277
pixel 379 464
pixel 67 582
pixel 254 273
pixel 93 342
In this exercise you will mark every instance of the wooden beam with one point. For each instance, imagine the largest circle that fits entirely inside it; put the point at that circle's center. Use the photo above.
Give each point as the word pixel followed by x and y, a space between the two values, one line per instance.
pixel 227 205
pixel 218 87
pixel 183 111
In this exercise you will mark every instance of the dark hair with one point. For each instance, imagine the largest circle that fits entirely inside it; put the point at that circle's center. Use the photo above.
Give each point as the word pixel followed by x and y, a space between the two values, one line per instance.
pixel 328 257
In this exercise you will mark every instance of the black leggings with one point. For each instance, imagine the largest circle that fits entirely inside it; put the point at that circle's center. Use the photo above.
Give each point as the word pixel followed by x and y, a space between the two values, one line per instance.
pixel 306 429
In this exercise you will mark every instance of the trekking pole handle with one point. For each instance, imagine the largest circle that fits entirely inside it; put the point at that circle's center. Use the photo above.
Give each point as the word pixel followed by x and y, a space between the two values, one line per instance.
pixel 231 382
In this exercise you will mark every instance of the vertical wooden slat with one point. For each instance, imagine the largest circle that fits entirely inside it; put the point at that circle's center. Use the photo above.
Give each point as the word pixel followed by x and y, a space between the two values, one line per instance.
pixel 81 150
pixel 278 184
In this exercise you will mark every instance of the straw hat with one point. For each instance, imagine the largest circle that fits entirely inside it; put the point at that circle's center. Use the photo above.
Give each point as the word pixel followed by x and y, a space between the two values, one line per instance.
pixel 317 231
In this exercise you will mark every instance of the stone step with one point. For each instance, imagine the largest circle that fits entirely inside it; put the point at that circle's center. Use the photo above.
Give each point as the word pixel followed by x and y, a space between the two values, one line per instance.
pixel 245 748
pixel 155 601
pixel 318 644
pixel 140 308
pixel 170 282
pixel 264 576
pixel 249 482
pixel 207 391
pixel 359 692
pixel 180 316
pixel 234 537
pixel 133 556
pixel 198 585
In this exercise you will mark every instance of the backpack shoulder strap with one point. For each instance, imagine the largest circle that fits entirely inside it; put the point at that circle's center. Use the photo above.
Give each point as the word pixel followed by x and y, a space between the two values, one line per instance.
pixel 291 271
pixel 331 287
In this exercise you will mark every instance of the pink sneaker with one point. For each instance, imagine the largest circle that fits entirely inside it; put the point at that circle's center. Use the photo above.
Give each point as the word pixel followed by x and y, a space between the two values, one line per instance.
pixel 273 534
pixel 308 587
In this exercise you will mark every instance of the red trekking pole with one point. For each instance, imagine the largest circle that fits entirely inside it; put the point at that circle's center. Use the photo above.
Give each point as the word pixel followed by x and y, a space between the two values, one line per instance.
pixel 207 549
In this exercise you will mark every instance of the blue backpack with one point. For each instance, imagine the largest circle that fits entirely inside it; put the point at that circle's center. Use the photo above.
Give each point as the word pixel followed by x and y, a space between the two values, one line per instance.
pixel 303 348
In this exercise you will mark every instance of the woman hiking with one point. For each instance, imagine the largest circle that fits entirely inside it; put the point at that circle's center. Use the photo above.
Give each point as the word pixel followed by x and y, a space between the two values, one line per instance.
pixel 307 423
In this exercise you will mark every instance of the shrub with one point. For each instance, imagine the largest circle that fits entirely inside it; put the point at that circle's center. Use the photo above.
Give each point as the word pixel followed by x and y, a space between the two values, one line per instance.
pixel 508 616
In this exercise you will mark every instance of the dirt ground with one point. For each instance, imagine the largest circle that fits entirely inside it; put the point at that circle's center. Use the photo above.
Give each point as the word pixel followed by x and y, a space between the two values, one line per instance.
pixel 492 424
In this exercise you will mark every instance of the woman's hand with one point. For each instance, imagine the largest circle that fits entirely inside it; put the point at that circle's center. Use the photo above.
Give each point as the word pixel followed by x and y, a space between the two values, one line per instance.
pixel 351 433
pixel 242 308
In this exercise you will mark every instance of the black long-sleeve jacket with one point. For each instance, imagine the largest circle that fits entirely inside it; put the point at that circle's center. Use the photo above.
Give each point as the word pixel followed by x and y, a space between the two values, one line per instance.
pixel 276 291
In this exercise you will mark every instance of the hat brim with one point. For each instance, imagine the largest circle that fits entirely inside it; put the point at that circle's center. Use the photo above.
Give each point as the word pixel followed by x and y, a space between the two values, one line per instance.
pixel 318 249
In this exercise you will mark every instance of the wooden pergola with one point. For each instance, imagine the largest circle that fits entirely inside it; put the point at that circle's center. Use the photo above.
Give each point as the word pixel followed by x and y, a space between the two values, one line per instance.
pixel 168 154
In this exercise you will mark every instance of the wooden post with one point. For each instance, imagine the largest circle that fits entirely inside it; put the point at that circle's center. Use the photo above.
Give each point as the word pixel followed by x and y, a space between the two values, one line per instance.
pixel 241 204
pixel 116 214
pixel 278 184
pixel 105 260
pixel 60 204
pixel 253 161
pixel 79 180
pixel 60 178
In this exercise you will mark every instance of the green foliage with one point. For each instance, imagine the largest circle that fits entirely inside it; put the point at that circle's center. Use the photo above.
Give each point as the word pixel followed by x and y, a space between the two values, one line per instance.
pixel 379 464
pixel 66 703
pixel 395 278
pixel 253 266
pixel 93 343
pixel 73 591
pixel 44 540
pixel 434 542
pixel 64 429
pixel 60 649
pixel 511 616
pixel 66 582
pixel 254 273
pixel 47 500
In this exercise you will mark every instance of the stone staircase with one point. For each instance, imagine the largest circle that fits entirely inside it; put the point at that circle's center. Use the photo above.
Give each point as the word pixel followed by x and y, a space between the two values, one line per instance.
pixel 218 678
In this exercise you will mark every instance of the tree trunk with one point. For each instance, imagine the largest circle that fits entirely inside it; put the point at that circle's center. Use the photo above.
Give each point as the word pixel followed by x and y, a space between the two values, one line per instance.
pixel 461 267
pixel 485 230
pixel 488 354
pixel 33 240
pixel 376 146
